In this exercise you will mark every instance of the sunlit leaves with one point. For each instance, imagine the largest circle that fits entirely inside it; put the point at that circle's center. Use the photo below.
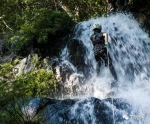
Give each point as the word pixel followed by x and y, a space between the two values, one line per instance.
pixel 36 83
pixel 6 69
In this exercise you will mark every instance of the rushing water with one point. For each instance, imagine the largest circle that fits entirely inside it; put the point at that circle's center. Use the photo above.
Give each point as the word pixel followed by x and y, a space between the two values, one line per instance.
pixel 129 47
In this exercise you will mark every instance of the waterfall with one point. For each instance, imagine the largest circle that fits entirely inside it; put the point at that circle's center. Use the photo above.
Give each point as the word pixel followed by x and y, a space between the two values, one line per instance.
pixel 129 47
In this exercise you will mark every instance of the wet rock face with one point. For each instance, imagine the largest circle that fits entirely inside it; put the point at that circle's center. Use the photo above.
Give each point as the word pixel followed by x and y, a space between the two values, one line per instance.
pixel 77 52
pixel 84 111
pixel 72 72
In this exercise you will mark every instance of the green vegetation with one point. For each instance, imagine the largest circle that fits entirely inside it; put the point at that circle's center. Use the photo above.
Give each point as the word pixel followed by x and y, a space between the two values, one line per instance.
pixel 36 83
pixel 42 29
pixel 6 69
pixel 19 112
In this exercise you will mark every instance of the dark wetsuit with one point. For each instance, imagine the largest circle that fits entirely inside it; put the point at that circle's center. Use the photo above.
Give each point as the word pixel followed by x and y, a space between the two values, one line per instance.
pixel 100 50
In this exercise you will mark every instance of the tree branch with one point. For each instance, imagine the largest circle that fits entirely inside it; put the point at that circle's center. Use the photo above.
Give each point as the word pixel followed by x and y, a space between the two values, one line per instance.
pixel 5 24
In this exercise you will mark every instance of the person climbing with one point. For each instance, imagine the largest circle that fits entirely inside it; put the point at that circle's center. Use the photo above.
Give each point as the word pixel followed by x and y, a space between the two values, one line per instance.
pixel 100 47
pixel 99 40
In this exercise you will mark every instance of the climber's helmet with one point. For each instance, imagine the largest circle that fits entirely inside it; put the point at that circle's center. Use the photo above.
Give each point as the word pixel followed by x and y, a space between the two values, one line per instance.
pixel 97 27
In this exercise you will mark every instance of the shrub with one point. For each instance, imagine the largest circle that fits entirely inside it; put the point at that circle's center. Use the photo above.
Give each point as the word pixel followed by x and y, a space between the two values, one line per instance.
pixel 45 26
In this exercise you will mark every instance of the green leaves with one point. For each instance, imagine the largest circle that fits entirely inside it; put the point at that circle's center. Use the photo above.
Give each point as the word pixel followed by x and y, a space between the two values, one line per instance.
pixel 6 69
pixel 83 10
pixel 36 83
pixel 43 25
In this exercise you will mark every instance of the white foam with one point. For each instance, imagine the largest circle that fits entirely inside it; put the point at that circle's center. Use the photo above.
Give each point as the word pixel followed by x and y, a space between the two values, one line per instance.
pixel 129 50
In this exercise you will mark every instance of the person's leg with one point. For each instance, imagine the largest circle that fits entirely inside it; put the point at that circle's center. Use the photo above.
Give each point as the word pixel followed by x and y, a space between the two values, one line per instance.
pixel 98 64
pixel 104 56
pixel 108 62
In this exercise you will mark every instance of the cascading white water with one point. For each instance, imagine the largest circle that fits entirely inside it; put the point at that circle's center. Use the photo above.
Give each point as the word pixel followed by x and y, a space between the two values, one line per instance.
pixel 129 47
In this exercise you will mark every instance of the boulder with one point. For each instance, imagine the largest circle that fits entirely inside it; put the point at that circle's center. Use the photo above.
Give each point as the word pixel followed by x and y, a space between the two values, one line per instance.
pixel 77 52
pixel 80 111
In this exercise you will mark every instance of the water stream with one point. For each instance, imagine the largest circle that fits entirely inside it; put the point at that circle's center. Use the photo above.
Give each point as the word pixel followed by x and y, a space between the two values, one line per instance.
pixel 129 47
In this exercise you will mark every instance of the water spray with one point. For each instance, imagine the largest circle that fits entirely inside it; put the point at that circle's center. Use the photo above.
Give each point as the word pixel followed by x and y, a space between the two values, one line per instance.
pixel 111 90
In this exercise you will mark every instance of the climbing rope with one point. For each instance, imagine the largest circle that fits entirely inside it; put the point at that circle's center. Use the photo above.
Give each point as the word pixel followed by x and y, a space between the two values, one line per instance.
pixel 112 100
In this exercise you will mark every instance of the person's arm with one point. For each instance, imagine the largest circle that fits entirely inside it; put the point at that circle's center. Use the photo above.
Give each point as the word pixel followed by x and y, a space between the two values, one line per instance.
pixel 106 39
